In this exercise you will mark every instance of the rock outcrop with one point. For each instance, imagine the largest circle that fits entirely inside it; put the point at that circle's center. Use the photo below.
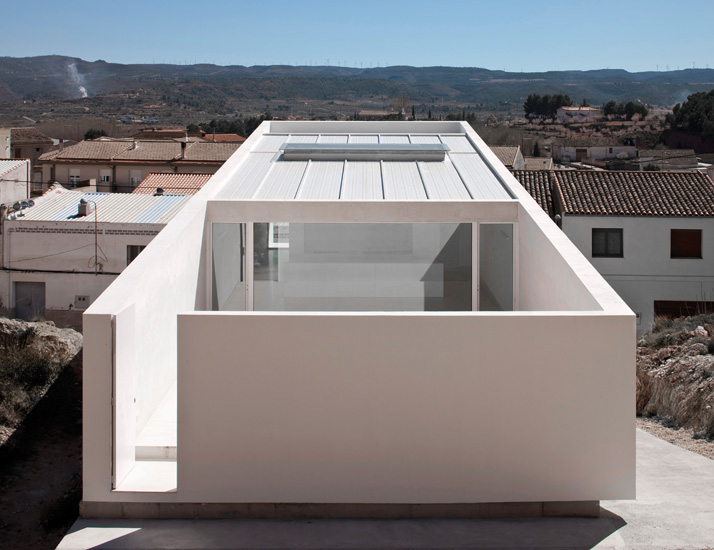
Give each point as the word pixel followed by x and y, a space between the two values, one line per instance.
pixel 675 378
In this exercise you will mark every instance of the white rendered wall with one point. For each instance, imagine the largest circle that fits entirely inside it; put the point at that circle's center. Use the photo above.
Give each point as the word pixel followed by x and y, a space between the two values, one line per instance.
pixel 69 246
pixel 646 272
pixel 14 185
pixel 169 279
pixel 378 408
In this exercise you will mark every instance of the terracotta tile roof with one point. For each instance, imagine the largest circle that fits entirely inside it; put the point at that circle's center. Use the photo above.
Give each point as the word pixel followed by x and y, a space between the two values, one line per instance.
pixel 538 184
pixel 163 134
pixel 151 150
pixel 215 152
pixel 144 151
pixel 224 138
pixel 609 193
pixel 93 150
pixel 49 155
pixel 184 184
pixel 507 155
pixel 28 136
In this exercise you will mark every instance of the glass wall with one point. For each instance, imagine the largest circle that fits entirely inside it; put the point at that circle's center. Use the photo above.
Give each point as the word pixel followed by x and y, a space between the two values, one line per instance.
pixel 362 267
pixel 496 267
pixel 229 268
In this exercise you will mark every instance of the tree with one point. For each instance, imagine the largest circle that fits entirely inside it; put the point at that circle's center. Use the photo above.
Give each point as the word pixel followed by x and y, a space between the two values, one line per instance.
pixel 413 113
pixel 94 134
pixel 400 103
pixel 545 106
pixel 536 149
pixel 694 116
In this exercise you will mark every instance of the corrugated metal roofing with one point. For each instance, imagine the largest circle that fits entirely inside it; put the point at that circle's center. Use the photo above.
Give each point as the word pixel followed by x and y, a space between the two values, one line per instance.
pixel 362 181
pixel 462 175
pixel 10 164
pixel 318 183
pixel 62 205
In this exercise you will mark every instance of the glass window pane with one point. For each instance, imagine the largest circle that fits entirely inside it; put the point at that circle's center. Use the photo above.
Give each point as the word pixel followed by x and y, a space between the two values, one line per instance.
pixel 228 261
pixel 362 267
pixel 496 267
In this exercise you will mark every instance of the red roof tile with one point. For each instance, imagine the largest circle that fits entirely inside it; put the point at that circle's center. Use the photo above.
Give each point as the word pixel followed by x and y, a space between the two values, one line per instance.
pixel 184 184
pixel 538 184
pixel 610 193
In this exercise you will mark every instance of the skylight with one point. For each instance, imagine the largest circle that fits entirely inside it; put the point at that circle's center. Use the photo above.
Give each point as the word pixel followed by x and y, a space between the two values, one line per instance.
pixel 365 151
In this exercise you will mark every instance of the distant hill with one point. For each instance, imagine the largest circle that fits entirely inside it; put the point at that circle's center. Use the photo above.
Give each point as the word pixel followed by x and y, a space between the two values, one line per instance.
pixel 209 88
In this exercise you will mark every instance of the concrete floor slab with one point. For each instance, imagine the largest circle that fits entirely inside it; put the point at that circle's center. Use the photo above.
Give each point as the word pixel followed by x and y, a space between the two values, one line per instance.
pixel 674 510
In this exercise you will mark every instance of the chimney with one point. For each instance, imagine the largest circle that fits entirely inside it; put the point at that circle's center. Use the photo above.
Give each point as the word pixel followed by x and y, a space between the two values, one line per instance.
pixel 134 145
pixel 85 208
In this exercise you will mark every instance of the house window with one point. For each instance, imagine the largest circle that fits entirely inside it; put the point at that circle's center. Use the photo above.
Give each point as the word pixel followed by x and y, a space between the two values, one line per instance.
pixel 132 251
pixel 686 243
pixel 74 178
pixel 105 176
pixel 607 243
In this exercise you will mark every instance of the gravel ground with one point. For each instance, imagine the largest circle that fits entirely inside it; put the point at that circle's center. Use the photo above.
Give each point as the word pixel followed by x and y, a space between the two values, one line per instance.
pixel 681 437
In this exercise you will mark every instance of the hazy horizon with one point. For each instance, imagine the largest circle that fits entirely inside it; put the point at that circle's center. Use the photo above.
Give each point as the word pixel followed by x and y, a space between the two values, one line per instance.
pixel 522 37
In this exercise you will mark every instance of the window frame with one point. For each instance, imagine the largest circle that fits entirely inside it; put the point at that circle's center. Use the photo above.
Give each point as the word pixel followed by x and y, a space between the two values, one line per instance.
pixel 607 231
pixel 681 232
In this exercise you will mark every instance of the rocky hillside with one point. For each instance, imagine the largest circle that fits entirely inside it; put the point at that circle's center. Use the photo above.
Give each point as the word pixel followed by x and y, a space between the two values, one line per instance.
pixel 675 373
pixel 32 355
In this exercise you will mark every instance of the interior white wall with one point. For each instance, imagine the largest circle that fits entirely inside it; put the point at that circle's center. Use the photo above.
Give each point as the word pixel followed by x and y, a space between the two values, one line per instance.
pixel 646 272
pixel 405 408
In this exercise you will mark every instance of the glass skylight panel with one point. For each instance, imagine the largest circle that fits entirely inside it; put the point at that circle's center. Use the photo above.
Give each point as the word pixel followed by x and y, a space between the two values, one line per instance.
pixel 364 151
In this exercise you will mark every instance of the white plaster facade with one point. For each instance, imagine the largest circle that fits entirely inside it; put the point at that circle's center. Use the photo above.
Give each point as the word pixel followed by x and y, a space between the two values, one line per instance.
pixel 378 407
pixel 646 272
pixel 14 181
pixel 60 255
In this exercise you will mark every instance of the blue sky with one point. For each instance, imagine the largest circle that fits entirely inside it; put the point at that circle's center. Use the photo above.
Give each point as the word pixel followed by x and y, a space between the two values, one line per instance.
pixel 515 35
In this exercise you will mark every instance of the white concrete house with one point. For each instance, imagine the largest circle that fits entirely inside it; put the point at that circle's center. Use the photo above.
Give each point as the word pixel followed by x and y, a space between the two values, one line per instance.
pixel 56 262
pixel 358 319
pixel 575 114
pixel 14 181
pixel 649 234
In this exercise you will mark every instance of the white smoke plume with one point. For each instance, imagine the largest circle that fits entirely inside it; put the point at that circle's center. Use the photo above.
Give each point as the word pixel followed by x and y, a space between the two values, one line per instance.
pixel 77 78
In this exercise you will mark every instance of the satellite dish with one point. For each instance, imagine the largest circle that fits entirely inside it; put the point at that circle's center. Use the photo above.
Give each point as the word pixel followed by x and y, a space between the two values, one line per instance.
pixel 23 205
pixel 30 203
pixel 16 206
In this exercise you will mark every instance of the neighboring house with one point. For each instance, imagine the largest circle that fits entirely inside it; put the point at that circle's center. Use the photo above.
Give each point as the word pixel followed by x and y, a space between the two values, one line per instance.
pixel 538 163
pixel 668 159
pixel 14 181
pixel 648 233
pixel 570 115
pixel 5 148
pixel 603 156
pixel 510 156
pixel 29 143
pixel 52 269
pixel 175 134
pixel 354 319
pixel 223 138
pixel 185 184
pixel 120 165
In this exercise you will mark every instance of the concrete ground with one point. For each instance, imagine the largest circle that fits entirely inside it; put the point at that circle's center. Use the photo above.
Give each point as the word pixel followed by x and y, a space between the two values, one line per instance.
pixel 674 510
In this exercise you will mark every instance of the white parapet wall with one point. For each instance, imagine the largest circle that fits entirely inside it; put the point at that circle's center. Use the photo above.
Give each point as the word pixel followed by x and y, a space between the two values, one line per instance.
pixel 382 408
